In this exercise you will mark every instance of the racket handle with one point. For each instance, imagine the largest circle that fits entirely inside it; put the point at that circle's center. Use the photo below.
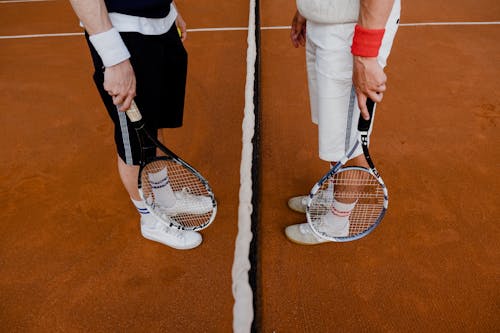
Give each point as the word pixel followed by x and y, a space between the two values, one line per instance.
pixel 133 113
pixel 363 124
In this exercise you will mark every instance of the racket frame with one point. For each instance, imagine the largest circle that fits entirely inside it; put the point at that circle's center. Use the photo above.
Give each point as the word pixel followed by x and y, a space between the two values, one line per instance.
pixel 362 139
pixel 140 126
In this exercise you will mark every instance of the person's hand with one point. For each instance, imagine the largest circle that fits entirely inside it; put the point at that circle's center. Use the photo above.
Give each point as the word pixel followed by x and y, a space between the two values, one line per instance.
pixel 369 81
pixel 181 25
pixel 119 82
pixel 298 31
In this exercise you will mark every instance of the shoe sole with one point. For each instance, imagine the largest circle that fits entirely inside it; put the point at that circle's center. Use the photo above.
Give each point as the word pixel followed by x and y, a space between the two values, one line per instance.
pixel 303 243
pixel 309 244
pixel 155 239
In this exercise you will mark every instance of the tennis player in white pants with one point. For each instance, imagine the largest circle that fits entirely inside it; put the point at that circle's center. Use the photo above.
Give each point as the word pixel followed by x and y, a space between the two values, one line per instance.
pixel 347 44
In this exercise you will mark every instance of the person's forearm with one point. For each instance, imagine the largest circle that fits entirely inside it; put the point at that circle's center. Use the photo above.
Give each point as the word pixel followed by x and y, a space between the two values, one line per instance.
pixel 93 14
pixel 105 39
pixel 373 14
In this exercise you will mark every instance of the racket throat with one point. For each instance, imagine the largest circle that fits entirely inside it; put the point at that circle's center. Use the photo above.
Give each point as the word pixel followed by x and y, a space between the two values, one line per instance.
pixel 366 153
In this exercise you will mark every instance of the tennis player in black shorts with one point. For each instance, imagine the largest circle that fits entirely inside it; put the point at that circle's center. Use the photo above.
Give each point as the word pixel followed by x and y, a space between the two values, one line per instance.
pixel 137 50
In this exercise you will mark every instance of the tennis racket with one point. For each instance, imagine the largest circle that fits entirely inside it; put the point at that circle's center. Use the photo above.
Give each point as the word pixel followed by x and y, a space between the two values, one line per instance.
pixel 172 190
pixel 348 202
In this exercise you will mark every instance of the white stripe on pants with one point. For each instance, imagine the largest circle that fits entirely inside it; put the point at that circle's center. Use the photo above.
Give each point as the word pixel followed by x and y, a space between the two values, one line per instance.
pixel 329 69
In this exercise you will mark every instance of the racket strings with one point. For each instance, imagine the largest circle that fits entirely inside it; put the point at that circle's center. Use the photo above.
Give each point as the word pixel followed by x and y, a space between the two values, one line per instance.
pixel 184 200
pixel 348 187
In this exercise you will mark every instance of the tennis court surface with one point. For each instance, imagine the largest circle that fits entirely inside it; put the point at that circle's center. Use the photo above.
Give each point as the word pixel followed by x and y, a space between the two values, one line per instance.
pixel 71 255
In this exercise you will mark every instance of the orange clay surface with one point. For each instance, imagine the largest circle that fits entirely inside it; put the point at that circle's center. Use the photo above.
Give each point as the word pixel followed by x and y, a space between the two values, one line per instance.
pixel 71 255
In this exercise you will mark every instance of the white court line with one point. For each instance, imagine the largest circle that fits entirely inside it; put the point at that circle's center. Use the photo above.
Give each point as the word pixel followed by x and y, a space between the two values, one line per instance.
pixel 282 27
pixel 81 33
pixel 279 27
pixel 17 1
pixel 43 35
pixel 217 29
pixel 286 27
pixel 447 23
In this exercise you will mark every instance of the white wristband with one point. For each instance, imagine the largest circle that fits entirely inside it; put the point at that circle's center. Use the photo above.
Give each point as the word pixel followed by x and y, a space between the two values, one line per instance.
pixel 110 47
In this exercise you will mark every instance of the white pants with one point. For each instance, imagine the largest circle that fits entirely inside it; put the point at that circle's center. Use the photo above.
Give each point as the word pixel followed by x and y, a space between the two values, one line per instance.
pixel 334 106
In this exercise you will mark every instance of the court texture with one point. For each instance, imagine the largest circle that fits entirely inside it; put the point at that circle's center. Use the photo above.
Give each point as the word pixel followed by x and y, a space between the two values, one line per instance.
pixel 71 255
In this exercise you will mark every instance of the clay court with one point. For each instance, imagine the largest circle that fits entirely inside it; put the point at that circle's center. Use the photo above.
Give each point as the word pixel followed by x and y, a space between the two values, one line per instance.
pixel 72 258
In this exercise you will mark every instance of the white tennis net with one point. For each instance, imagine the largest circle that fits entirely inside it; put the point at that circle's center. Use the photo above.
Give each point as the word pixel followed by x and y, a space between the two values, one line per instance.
pixel 243 312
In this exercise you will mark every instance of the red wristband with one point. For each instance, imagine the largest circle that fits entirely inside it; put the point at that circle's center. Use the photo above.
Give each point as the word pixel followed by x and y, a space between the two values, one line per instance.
pixel 366 42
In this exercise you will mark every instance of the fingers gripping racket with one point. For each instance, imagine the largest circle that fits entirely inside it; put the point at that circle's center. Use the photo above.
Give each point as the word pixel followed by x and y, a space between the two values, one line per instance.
pixel 347 203
pixel 172 190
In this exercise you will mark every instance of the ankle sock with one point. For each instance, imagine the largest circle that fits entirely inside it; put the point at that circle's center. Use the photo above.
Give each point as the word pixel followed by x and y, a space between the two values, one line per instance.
pixel 146 216
pixel 162 191
pixel 342 209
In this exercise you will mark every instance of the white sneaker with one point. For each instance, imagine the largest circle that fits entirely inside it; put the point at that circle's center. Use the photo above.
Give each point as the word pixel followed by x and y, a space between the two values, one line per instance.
pixel 187 203
pixel 298 204
pixel 303 234
pixel 178 239
pixel 322 200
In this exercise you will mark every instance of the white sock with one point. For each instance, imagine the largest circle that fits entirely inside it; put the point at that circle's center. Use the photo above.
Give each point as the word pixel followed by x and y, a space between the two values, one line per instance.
pixel 164 195
pixel 329 189
pixel 146 216
pixel 337 221
pixel 342 209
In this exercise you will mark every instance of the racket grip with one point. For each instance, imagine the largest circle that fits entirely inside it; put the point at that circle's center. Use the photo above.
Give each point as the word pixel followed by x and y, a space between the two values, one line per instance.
pixel 133 113
pixel 363 124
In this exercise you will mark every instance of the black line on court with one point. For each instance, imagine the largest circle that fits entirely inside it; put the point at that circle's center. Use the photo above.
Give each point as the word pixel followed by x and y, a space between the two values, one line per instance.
pixel 255 271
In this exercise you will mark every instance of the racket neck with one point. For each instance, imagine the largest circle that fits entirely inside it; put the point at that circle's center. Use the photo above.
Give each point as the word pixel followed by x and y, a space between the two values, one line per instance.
pixel 366 152
pixel 160 146
pixel 139 124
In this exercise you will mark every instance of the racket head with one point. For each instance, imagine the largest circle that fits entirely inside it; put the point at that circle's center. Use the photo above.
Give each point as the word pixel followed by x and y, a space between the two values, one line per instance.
pixel 192 206
pixel 352 185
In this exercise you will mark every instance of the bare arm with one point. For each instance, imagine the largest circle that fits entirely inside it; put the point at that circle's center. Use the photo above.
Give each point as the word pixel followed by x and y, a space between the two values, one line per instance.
pixel 119 79
pixel 373 14
pixel 368 76
pixel 93 14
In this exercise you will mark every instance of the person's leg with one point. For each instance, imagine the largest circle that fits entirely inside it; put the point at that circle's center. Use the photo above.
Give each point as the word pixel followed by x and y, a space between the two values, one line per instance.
pixel 329 68
pixel 151 227
pixel 336 221
pixel 330 97
pixel 129 152
pixel 312 83
pixel 161 63
pixel 330 91
pixel 298 203
pixel 336 127
pixel 128 175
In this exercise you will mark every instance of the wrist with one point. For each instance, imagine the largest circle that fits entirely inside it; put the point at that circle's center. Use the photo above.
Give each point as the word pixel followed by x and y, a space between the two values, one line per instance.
pixel 110 47
pixel 366 42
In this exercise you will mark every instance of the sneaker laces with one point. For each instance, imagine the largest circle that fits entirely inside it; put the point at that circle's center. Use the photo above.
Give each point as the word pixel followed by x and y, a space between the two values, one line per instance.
pixel 172 231
pixel 320 225
pixel 193 203
pixel 186 195
pixel 184 198
pixel 305 228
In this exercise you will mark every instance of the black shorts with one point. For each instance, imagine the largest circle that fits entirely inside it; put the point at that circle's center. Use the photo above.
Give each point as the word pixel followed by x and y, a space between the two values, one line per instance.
pixel 160 66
